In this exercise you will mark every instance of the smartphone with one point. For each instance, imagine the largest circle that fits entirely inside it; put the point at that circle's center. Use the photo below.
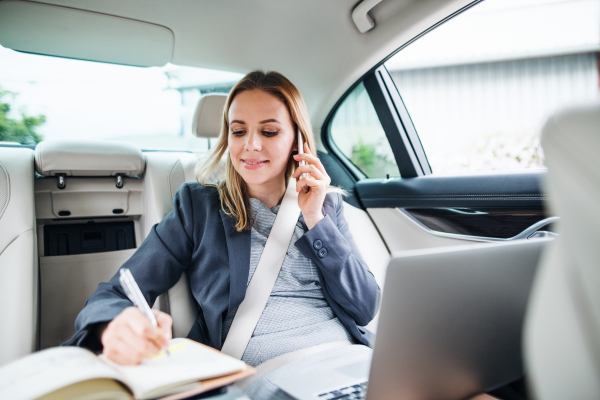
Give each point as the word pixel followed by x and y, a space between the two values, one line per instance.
pixel 301 163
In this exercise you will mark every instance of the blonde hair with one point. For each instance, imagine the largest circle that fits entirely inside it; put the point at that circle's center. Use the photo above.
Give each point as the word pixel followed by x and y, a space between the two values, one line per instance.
pixel 233 190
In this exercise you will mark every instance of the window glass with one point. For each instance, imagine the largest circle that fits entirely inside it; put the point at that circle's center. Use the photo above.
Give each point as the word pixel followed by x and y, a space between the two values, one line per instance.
pixel 480 87
pixel 357 132
pixel 45 97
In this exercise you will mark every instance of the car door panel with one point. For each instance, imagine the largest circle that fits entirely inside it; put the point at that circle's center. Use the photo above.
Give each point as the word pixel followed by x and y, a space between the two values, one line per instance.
pixel 506 189
pixel 472 207
pixel 401 233
pixel 433 211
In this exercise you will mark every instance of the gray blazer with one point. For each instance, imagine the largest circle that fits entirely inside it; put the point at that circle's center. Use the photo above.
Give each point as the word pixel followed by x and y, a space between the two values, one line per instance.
pixel 199 238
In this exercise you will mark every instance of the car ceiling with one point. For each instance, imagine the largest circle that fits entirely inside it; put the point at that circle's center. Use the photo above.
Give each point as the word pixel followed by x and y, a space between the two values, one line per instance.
pixel 313 42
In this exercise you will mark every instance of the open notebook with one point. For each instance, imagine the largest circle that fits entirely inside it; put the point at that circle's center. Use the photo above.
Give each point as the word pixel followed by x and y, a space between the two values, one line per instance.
pixel 73 372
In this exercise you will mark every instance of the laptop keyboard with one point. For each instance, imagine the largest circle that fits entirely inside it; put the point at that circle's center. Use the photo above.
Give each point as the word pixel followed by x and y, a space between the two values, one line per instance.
pixel 355 392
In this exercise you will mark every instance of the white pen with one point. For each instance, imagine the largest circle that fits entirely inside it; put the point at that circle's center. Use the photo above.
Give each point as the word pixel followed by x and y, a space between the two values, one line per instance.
pixel 133 292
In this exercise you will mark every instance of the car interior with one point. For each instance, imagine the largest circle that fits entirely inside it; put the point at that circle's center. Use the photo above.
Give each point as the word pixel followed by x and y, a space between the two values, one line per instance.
pixel 390 85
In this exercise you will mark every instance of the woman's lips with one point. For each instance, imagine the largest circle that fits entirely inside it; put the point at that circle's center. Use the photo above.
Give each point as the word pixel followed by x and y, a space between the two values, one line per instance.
pixel 254 163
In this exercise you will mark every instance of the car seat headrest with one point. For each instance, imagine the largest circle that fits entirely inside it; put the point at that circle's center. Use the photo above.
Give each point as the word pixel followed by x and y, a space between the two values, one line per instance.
pixel 88 158
pixel 208 115
pixel 562 327
pixel 571 143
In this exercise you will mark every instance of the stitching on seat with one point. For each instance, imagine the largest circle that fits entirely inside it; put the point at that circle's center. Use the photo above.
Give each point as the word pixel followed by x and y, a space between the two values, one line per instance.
pixel 198 127
pixel 170 174
pixel 41 161
pixel 12 241
pixel 5 205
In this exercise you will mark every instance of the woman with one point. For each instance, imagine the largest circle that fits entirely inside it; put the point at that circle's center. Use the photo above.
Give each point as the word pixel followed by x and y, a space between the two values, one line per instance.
pixel 216 233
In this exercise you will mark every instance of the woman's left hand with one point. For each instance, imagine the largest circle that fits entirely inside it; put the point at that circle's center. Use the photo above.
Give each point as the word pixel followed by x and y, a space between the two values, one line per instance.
pixel 317 181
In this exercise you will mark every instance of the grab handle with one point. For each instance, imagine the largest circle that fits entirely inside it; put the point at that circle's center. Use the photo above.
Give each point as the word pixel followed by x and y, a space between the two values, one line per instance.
pixel 531 232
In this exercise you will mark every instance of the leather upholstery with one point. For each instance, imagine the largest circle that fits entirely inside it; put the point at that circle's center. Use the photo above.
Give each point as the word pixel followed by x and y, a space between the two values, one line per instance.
pixel 165 173
pixel 370 246
pixel 150 197
pixel 562 333
pixel 18 255
pixel 66 284
pixel 208 115
pixel 88 158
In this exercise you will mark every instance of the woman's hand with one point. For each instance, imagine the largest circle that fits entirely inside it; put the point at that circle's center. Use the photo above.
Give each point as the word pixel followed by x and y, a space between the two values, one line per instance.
pixel 130 337
pixel 318 181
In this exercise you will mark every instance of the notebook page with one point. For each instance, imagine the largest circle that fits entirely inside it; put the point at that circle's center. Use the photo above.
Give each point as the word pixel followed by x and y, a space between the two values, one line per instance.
pixel 188 362
pixel 48 370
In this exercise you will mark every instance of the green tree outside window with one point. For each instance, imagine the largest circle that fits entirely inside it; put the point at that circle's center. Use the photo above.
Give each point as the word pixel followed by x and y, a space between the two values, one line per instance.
pixel 14 130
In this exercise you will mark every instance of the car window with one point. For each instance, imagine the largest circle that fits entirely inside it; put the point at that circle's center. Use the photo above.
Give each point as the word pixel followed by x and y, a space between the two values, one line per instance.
pixel 479 87
pixel 56 98
pixel 356 131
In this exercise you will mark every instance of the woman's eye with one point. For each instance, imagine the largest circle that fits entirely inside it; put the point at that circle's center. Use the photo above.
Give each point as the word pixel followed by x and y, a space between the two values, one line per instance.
pixel 237 133
pixel 269 133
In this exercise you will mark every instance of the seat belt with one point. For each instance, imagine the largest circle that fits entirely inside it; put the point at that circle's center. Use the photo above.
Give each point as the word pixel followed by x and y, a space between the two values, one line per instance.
pixel 262 282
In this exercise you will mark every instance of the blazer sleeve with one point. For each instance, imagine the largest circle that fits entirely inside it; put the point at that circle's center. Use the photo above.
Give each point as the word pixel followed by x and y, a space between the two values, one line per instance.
pixel 347 277
pixel 156 266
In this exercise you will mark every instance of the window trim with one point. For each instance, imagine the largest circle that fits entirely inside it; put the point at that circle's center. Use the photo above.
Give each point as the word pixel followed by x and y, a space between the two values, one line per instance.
pixel 391 120
pixel 396 123
pixel 421 162
pixel 407 122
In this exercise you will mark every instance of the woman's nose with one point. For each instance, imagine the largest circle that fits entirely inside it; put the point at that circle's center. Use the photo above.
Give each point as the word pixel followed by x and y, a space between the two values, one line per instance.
pixel 253 142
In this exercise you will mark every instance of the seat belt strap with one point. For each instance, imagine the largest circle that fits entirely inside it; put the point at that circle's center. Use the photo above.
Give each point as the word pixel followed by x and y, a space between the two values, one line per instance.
pixel 262 282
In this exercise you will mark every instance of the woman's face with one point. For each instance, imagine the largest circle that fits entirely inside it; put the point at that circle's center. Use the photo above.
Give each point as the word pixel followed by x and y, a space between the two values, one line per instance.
pixel 261 137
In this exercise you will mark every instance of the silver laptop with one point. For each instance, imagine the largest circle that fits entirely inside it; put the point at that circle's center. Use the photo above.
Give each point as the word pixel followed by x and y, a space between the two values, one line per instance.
pixel 450 327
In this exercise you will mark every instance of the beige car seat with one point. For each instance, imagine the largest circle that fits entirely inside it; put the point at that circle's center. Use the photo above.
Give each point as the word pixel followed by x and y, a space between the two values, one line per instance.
pixel 89 171
pixel 562 330
pixel 18 255
pixel 85 185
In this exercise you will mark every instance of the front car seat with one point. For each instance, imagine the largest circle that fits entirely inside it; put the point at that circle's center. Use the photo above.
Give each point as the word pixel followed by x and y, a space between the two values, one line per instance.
pixel 562 331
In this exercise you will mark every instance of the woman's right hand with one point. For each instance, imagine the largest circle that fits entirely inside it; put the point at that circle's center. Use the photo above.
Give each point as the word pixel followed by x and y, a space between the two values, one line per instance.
pixel 130 337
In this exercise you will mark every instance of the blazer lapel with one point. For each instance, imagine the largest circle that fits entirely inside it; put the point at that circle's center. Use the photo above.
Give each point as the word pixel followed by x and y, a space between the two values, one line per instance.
pixel 238 249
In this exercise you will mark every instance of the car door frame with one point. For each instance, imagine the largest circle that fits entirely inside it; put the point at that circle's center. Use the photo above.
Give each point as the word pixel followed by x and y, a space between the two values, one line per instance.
pixel 417 188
